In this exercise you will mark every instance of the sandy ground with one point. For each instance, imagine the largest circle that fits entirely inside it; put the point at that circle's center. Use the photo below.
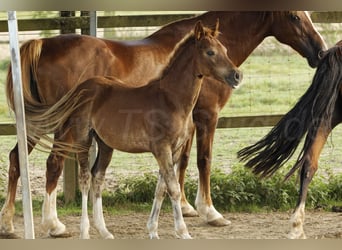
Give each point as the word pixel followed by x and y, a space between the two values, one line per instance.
pixel 318 225
pixel 273 225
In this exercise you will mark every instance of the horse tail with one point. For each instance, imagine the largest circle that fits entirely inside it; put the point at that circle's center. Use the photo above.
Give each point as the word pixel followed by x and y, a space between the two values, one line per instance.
pixel 314 110
pixel 30 53
pixel 44 119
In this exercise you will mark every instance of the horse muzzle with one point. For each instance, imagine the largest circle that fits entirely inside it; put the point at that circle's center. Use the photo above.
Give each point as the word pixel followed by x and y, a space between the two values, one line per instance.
pixel 234 78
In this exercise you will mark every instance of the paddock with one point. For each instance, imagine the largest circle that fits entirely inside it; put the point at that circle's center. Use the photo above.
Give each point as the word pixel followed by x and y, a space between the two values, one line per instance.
pixel 267 92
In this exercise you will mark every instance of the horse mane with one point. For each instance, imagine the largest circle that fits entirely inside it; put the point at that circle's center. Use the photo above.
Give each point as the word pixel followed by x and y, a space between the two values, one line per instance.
pixel 313 111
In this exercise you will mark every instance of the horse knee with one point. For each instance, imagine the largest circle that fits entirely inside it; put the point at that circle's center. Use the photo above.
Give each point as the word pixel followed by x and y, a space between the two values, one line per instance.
pixel 203 162
pixel 84 179
pixel 308 170
pixel 54 167
pixel 97 184
pixel 184 160
pixel 174 192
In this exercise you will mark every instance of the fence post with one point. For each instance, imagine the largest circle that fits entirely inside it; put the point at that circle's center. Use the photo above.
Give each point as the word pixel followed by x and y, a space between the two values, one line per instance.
pixel 91 30
pixel 71 167
pixel 70 172
pixel 21 125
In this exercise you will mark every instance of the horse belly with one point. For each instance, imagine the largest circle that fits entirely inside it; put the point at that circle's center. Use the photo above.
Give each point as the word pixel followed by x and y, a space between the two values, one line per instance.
pixel 123 132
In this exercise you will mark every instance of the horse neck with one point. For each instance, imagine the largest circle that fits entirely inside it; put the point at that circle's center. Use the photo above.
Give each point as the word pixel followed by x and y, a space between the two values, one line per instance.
pixel 169 35
pixel 180 81
pixel 241 32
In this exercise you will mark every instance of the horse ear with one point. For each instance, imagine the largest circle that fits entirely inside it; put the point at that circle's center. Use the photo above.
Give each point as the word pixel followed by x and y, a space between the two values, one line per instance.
pixel 216 32
pixel 199 30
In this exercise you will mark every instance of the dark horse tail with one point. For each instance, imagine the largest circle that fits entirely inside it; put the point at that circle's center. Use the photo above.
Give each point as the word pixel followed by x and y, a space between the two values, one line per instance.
pixel 313 110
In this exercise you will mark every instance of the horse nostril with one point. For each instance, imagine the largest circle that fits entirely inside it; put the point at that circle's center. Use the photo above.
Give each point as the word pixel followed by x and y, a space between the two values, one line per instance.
pixel 238 76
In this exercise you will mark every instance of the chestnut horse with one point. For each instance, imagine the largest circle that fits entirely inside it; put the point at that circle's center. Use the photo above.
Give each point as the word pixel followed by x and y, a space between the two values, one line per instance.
pixel 316 113
pixel 52 66
pixel 157 119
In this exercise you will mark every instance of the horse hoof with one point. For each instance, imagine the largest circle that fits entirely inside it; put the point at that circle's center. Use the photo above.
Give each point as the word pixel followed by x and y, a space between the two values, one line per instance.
pixel 154 236
pixel 59 231
pixel 189 211
pixel 295 236
pixel 84 236
pixel 61 235
pixel 109 236
pixel 220 222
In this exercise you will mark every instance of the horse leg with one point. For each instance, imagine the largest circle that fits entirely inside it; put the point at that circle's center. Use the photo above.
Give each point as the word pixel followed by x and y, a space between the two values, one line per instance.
pixel 84 183
pixel 309 168
pixel 205 130
pixel 98 172
pixel 50 221
pixel 187 209
pixel 166 168
pixel 159 195
pixel 8 209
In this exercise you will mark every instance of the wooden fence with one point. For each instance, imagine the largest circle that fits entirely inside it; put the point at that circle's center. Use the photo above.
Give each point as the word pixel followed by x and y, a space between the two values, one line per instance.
pixel 70 22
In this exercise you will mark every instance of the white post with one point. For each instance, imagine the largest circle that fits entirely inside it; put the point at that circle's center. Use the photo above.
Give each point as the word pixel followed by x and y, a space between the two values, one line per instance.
pixel 21 125
pixel 93 23
pixel 92 149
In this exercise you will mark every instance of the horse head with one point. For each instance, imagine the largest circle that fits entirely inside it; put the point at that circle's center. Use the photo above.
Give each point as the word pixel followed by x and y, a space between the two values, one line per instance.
pixel 214 60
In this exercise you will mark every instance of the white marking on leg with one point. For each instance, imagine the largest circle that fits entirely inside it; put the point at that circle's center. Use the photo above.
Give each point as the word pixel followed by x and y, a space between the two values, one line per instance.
pixel 152 223
pixel 84 226
pixel 296 223
pixel 180 226
pixel 46 212
pixel 205 211
pixel 99 219
pixel 50 221
pixel 6 217
pixel 187 209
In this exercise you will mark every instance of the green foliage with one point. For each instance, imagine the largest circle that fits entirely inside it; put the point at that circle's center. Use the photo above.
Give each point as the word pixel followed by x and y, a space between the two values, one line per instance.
pixel 334 187
pixel 136 189
pixel 239 190
pixel 4 65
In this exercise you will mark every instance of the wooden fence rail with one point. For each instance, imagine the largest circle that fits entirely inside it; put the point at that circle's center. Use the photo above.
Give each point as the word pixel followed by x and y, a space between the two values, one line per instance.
pixel 223 122
pixel 80 22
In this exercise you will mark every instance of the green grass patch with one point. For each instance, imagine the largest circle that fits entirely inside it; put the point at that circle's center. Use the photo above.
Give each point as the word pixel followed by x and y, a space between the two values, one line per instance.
pixel 239 191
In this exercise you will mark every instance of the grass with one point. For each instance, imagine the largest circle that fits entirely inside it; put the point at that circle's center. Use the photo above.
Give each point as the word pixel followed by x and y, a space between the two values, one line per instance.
pixel 239 191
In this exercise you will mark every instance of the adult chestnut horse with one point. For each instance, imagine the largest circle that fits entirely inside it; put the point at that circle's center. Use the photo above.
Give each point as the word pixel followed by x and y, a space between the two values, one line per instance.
pixel 315 115
pixel 52 66
pixel 161 124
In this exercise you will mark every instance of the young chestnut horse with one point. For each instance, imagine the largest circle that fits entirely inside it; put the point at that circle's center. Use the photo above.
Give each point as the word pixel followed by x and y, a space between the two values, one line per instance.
pixel 157 119
pixel 52 66
pixel 317 112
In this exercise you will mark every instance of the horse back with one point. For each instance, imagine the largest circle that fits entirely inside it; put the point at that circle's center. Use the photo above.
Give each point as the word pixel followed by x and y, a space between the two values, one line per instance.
pixel 71 59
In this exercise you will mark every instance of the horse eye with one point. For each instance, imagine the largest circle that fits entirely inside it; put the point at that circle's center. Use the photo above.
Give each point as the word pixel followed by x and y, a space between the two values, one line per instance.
pixel 295 17
pixel 210 53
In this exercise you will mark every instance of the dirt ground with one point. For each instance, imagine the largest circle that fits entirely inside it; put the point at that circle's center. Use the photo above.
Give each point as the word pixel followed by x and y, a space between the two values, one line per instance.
pixel 273 225
pixel 318 225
